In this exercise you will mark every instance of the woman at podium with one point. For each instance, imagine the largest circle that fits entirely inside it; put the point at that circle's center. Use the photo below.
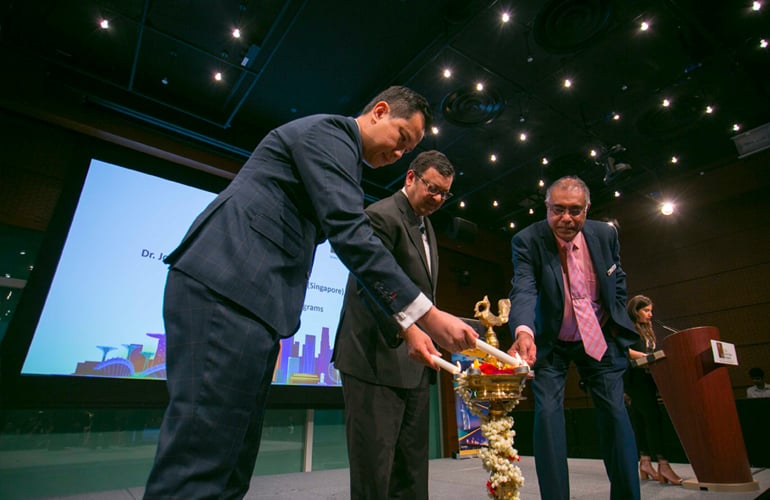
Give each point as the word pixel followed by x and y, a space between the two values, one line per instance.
pixel 642 398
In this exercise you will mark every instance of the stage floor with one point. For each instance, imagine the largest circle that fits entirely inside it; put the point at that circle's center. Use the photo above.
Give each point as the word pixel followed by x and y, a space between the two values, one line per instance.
pixel 462 479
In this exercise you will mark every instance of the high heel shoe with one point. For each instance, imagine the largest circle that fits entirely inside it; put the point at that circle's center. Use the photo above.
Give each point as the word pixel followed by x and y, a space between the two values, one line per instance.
pixel 667 474
pixel 646 470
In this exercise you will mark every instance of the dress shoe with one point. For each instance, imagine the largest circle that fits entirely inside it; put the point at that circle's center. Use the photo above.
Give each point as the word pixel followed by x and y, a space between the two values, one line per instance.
pixel 646 470
pixel 667 474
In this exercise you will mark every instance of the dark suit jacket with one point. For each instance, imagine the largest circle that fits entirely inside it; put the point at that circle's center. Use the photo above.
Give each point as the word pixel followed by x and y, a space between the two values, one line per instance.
pixel 255 242
pixel 537 294
pixel 364 336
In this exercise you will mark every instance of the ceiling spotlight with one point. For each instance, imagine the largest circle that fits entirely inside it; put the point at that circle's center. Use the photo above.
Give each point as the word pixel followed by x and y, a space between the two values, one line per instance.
pixel 522 118
pixel 447 73
pixel 736 127
pixel 544 161
pixel 616 194
pixel 616 116
pixel 218 76
pixel 567 83
pixel 763 44
pixel 756 6
pixel 479 86
pixel 667 208
pixel 541 183
pixel 530 58
pixel 164 80
pixel 709 110
pixel 531 211
pixel 493 157
pixel 666 103
pixel 644 26
pixel 674 159
pixel 494 203
pixel 462 204
pixel 593 153
pixel 434 130
pixel 624 87
pixel 523 136
pixel 512 225
pixel 104 24
pixel 236 33
pixel 505 17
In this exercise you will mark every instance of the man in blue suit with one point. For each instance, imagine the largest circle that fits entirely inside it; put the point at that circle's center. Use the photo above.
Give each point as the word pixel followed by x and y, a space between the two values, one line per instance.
pixel 237 283
pixel 544 321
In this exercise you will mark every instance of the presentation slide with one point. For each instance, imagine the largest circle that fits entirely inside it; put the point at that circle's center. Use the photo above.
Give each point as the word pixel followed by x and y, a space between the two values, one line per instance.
pixel 103 313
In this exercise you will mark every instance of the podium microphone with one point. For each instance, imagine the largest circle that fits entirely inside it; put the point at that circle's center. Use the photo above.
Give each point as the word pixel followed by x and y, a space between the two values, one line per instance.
pixel 663 325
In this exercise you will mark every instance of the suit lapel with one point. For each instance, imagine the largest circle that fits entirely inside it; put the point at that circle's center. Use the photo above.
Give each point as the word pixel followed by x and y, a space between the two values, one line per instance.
pixel 433 255
pixel 551 256
pixel 595 248
pixel 412 223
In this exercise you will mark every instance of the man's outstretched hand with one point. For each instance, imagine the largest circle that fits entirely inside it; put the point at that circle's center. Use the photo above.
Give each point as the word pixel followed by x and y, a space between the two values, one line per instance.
pixel 450 332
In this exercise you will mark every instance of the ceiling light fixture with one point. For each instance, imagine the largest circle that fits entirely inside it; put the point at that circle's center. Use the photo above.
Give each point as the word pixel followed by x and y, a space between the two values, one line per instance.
pixel 447 73
pixel 756 6
pixel 567 83
pixel 644 26
pixel 544 161
pixel 462 204
pixel 494 203
pixel 434 130
pixel 666 103
pixel 479 86
pixel 512 225
pixel 104 24
pixel 667 208
pixel 763 44
pixel 236 33
pixel 709 110
pixel 218 76
pixel 674 159
pixel 493 157
pixel 523 136
pixel 505 17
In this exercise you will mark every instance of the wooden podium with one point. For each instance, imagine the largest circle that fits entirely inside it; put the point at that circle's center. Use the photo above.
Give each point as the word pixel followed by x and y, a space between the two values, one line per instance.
pixel 700 402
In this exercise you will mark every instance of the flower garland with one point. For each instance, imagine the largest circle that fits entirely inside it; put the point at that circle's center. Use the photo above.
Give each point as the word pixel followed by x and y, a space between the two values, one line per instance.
pixel 499 457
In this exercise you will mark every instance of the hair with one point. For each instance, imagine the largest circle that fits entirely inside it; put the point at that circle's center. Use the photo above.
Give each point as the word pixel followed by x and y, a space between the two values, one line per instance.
pixel 756 373
pixel 435 159
pixel 633 307
pixel 569 182
pixel 403 102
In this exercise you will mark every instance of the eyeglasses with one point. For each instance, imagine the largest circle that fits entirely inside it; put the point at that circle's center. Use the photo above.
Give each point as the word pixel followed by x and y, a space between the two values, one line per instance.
pixel 559 210
pixel 434 190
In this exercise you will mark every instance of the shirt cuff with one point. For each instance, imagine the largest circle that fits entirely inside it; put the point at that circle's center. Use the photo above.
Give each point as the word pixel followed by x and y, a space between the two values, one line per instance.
pixel 413 311
pixel 524 329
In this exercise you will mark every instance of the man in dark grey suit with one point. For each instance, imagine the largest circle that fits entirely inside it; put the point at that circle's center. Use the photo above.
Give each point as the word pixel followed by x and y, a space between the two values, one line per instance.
pixel 547 325
pixel 383 388
pixel 238 279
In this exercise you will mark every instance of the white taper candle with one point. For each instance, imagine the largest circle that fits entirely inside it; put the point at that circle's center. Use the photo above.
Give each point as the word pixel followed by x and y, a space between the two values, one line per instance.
pixel 497 353
pixel 446 365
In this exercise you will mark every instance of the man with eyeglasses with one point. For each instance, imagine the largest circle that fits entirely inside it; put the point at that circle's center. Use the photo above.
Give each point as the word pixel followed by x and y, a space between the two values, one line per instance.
pixel 568 300
pixel 386 393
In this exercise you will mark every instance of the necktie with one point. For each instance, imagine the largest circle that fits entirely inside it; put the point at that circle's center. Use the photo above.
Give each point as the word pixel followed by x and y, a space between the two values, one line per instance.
pixel 588 325
pixel 425 244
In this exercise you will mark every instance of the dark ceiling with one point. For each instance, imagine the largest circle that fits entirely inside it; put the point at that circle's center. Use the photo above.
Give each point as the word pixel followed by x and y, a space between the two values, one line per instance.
pixel 155 63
